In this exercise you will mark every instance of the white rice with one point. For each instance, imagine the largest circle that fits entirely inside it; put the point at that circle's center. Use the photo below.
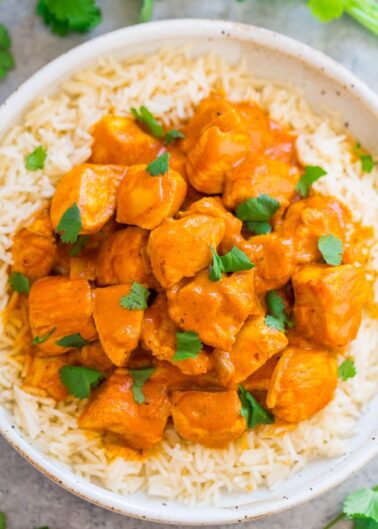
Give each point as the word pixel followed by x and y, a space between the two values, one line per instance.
pixel 171 83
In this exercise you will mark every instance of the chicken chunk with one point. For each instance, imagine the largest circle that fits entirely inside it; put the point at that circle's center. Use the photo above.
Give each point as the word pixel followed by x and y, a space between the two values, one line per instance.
pixel 254 345
pixel 180 248
pixel 213 207
pixel 306 220
pixel 34 247
pixel 302 384
pixel 274 258
pixel 123 258
pixel 260 379
pixel 212 419
pixel 43 373
pixel 93 189
pixel 216 310
pixel 118 328
pixel 83 267
pixel 64 305
pixel 328 303
pixel 159 336
pixel 146 200
pixel 112 407
pixel 260 175
pixel 94 356
pixel 213 156
pixel 119 140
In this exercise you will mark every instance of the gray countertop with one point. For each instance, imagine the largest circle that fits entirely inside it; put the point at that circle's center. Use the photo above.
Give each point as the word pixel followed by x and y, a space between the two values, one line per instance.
pixel 29 499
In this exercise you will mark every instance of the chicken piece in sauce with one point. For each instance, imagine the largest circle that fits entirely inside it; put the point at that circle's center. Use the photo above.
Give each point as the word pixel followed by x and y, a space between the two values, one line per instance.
pixel 94 357
pixel 43 374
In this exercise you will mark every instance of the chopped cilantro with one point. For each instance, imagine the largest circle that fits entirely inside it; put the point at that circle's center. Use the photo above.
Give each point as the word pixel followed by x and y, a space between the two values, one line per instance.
pixel 36 159
pixel 188 345
pixel 160 165
pixel 145 118
pixel 367 161
pixel 331 249
pixel 79 245
pixel 42 339
pixel 136 299
pixel 256 213
pixel 277 317
pixel 216 268
pixel 347 369
pixel 146 11
pixel 80 380
pixel 233 261
pixel 70 225
pixel 312 174
pixel 73 340
pixel 19 283
pixel 65 16
pixel 252 411
pixel 6 57
pixel 172 135
pixel 140 376
pixel 3 521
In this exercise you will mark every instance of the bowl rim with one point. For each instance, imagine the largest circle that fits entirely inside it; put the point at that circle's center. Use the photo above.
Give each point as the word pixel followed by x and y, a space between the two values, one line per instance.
pixel 58 70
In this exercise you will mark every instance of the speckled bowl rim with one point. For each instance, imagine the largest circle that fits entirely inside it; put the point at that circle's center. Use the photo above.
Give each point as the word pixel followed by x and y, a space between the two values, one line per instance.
pixel 53 74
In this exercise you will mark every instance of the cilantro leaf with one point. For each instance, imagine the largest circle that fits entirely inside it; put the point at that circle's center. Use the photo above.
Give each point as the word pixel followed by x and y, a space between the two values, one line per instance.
pixel 312 174
pixel 160 165
pixel 331 249
pixel 19 283
pixel 69 15
pixel 140 376
pixel 146 11
pixel 257 212
pixel 145 118
pixel 326 10
pixel 42 339
pixel 367 161
pixel 252 411
pixel 79 245
pixel 347 369
pixel 364 523
pixel 36 159
pixel 277 317
pixel 362 504
pixel 188 345
pixel 136 299
pixel 172 135
pixel 260 228
pixel 233 261
pixel 5 40
pixel 73 340
pixel 70 225
pixel 80 380
pixel 216 268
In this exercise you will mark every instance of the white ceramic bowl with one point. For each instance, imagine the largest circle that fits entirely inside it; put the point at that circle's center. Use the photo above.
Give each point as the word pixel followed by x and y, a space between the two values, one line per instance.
pixel 326 85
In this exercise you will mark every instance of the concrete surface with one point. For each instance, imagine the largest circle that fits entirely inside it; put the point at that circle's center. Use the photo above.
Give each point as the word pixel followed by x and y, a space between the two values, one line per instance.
pixel 29 499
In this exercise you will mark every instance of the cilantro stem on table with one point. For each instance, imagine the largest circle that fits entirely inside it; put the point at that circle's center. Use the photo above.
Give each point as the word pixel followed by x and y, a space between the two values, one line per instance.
pixel 146 11
pixel 360 506
pixel 6 57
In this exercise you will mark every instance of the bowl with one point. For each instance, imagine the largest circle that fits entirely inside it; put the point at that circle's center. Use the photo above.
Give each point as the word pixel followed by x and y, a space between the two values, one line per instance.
pixel 326 85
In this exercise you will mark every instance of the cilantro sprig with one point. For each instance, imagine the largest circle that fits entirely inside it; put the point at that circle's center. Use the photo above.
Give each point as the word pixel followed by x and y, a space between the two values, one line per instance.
pixel 65 16
pixel 6 57
pixel 145 118
pixel 36 159
pixel 136 299
pixel 188 345
pixel 70 225
pixel 19 283
pixel 73 340
pixel 331 248
pixel 367 161
pixel 361 507
pixel 80 380
pixel 173 135
pixel 140 376
pixel 312 174
pixel 277 317
pixel 160 165
pixel 42 339
pixel 257 212
pixel 252 411
pixel 146 11
pixel 347 369
pixel 233 261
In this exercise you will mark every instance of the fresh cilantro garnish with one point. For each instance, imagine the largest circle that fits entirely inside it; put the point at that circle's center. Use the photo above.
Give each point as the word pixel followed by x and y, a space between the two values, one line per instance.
pixel 6 57
pixel 257 212
pixel 136 299
pixel 70 225
pixel 188 345
pixel 331 249
pixel 251 410
pixel 326 10
pixel 277 317
pixel 173 135
pixel 73 340
pixel 312 174
pixel 347 369
pixel 80 380
pixel 364 523
pixel 364 11
pixel 146 11
pixel 367 161
pixel 42 339
pixel 140 376
pixel 19 283
pixel 65 16
pixel 145 118
pixel 36 159
pixel 3 521
pixel 160 165
pixel 79 245
pixel 361 507
pixel 233 261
